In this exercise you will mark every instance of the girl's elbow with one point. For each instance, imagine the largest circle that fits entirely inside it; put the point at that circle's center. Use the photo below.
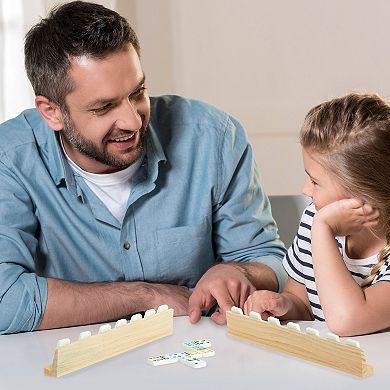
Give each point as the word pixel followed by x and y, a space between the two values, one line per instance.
pixel 342 324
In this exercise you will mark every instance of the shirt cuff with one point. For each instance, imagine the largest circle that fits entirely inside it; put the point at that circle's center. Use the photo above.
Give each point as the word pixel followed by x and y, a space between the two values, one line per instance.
pixel 277 266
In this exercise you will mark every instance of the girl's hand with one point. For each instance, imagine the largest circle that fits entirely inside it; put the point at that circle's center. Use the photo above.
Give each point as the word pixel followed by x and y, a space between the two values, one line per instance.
pixel 347 216
pixel 267 303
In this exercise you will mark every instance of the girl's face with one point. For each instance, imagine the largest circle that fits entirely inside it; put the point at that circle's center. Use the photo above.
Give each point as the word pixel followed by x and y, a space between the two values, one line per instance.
pixel 320 185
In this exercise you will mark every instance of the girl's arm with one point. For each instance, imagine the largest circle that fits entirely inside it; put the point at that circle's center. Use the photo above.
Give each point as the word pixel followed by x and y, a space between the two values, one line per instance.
pixel 292 304
pixel 348 309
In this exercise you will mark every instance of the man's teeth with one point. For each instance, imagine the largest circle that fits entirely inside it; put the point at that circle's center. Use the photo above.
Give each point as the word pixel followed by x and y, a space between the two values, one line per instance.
pixel 124 138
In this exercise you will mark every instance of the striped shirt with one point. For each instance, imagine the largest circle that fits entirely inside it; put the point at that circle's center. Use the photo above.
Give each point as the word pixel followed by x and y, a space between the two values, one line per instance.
pixel 298 262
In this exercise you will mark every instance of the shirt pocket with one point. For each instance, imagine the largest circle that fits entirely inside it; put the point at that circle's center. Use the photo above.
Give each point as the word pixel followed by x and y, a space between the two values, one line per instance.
pixel 184 253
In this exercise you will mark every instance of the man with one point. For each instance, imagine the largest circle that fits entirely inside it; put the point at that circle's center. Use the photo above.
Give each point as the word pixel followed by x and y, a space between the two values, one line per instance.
pixel 113 203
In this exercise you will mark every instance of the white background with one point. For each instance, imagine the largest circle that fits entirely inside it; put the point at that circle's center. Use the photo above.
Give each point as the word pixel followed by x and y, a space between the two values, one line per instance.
pixel 266 63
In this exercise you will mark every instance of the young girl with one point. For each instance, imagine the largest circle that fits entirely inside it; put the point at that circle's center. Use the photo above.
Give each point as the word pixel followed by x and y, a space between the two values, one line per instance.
pixel 338 264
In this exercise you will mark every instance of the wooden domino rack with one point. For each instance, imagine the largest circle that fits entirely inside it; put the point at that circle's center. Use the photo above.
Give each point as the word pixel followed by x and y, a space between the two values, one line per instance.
pixel 90 349
pixel 328 351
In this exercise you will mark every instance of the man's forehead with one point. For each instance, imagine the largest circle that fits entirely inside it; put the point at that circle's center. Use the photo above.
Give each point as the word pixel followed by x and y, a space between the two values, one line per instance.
pixel 100 79
pixel 83 60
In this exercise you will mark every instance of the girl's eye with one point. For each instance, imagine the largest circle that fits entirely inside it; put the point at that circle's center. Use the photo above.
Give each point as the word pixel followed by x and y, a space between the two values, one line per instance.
pixel 313 182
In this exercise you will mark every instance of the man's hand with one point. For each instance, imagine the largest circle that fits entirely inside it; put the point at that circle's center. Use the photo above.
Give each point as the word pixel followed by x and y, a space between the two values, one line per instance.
pixel 225 285
pixel 176 297
pixel 347 216
pixel 267 303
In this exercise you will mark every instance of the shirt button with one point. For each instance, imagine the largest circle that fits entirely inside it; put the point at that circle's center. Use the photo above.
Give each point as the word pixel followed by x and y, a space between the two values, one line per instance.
pixel 126 245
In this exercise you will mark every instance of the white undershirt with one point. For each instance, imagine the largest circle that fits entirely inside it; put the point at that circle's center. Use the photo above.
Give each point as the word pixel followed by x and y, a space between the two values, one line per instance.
pixel 113 189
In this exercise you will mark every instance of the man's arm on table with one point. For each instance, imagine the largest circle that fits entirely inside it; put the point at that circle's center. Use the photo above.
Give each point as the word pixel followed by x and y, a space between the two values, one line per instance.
pixel 29 301
pixel 245 235
pixel 72 303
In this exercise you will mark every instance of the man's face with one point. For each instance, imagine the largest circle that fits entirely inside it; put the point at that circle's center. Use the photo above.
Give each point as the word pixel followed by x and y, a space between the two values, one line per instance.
pixel 108 112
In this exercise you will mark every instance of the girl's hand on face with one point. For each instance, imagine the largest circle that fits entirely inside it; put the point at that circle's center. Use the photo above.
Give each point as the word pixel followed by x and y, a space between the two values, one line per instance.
pixel 267 303
pixel 347 216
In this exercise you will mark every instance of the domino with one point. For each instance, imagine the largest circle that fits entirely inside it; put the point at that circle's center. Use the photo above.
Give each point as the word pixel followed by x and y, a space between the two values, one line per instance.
pixel 162 308
pixel 149 313
pixel 190 358
pixel 273 320
pixel 332 336
pixel 312 331
pixel 105 328
pixel 189 354
pixel 352 343
pixel 84 335
pixel 162 360
pixel 120 323
pixel 293 325
pixel 193 362
pixel 136 317
pixel 255 314
pixel 203 343
pixel 63 342
pixel 237 310
pixel 206 352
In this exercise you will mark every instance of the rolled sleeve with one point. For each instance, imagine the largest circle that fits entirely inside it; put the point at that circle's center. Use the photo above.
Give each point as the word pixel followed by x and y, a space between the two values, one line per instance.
pixel 23 294
pixel 277 266
pixel 23 304
pixel 244 229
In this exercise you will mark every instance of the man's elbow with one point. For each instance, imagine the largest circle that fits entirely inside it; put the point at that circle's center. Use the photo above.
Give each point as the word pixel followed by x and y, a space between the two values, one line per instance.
pixel 20 310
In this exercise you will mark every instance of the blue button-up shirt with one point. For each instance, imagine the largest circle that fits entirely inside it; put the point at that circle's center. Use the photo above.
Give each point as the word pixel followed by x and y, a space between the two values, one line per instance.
pixel 195 200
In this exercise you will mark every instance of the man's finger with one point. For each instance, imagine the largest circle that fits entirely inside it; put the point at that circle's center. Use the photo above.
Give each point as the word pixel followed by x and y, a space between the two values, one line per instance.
pixel 225 303
pixel 219 318
pixel 195 306
pixel 195 315
pixel 246 291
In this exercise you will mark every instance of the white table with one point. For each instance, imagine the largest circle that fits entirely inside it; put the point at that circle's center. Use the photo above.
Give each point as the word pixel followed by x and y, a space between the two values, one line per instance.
pixel 237 364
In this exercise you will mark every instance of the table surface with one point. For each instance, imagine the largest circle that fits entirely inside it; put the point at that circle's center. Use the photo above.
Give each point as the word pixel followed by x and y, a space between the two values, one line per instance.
pixel 237 364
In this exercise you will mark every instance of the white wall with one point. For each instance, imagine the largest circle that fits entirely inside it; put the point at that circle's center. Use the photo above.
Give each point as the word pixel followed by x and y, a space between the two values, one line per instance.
pixel 265 62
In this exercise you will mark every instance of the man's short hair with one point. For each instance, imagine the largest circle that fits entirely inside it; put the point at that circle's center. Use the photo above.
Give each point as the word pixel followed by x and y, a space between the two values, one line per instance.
pixel 72 30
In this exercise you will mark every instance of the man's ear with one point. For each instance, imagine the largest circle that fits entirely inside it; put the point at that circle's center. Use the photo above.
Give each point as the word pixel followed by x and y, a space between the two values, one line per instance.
pixel 50 112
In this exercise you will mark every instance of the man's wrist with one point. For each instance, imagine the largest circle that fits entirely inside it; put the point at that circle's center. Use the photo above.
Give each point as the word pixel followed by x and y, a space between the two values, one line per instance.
pixel 243 269
pixel 260 275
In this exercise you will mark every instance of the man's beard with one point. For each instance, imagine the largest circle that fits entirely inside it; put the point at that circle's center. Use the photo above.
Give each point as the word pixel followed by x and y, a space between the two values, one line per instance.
pixel 89 149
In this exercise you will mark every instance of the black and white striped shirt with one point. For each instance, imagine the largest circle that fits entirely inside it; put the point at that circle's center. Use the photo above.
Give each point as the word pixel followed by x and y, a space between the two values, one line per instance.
pixel 298 262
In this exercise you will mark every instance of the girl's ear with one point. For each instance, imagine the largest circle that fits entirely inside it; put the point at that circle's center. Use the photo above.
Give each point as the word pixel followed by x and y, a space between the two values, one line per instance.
pixel 50 112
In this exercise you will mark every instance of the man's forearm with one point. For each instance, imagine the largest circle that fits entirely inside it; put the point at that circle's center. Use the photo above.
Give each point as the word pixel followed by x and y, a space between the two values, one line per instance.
pixel 72 303
pixel 261 276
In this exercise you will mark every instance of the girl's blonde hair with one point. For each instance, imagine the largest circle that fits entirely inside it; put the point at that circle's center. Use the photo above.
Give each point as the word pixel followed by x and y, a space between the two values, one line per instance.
pixel 352 136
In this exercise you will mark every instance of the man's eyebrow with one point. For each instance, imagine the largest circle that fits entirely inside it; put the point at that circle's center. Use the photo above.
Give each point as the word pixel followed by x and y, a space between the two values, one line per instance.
pixel 140 84
pixel 103 101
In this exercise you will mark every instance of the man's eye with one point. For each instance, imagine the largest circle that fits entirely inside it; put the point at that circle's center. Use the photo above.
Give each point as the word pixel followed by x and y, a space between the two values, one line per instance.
pixel 101 110
pixel 138 93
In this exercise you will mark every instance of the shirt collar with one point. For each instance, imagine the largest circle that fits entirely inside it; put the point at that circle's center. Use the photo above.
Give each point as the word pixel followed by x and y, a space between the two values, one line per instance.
pixel 60 169
pixel 154 149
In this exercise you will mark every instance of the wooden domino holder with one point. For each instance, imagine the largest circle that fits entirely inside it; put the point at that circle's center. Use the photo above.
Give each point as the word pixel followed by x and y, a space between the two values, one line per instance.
pixel 102 346
pixel 300 344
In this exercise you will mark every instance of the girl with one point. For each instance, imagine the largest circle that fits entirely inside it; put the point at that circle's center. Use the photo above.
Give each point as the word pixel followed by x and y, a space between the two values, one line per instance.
pixel 338 264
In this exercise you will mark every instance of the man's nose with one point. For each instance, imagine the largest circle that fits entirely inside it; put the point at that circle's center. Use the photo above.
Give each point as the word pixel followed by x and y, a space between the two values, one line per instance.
pixel 128 117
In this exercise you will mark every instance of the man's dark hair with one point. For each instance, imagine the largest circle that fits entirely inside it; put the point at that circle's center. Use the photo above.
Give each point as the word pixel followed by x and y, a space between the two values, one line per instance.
pixel 72 30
